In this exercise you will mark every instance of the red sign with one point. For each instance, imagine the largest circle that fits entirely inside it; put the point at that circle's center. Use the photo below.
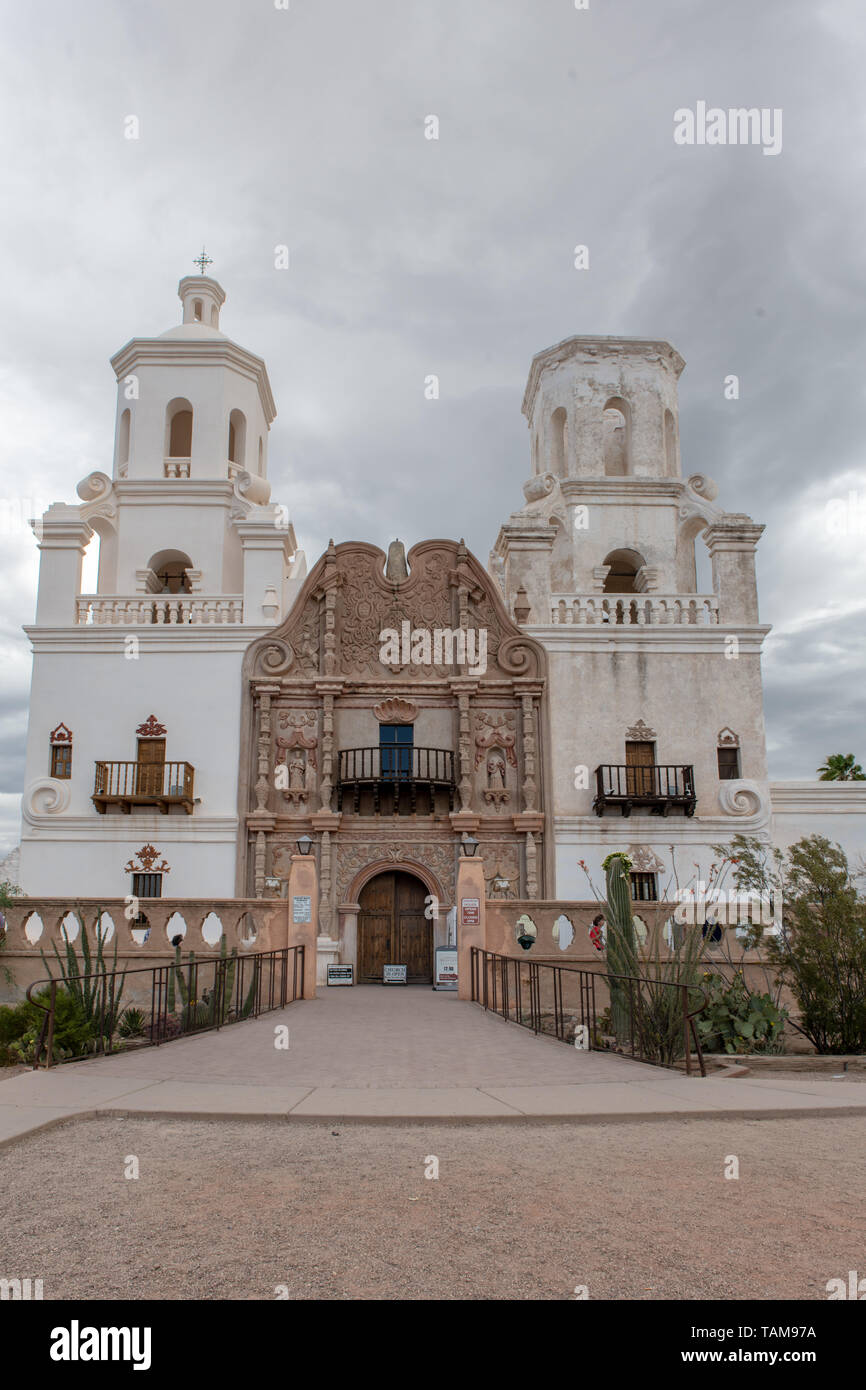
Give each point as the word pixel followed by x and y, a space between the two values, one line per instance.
pixel 470 912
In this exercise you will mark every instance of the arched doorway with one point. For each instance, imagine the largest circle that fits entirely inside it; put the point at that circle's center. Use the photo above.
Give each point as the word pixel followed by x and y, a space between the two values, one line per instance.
pixel 393 930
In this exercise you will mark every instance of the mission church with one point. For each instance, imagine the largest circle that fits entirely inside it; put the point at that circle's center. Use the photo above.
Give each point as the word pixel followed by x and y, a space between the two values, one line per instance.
pixel 213 703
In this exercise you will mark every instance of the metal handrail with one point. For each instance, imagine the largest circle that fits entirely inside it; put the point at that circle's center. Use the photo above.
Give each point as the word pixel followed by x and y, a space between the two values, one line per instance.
pixel 260 990
pixel 497 983
pixel 655 780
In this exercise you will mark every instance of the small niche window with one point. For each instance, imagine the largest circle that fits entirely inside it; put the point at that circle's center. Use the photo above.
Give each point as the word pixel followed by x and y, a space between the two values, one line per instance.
pixel 644 888
pixel 61 760
pixel 196 310
pixel 147 885
pixel 729 763
pixel 61 752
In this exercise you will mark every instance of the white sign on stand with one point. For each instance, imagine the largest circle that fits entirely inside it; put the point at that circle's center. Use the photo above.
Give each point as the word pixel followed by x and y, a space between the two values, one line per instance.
pixel 394 975
pixel 445 972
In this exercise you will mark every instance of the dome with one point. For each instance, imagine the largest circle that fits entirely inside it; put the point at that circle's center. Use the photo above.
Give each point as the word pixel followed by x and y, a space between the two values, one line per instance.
pixel 193 331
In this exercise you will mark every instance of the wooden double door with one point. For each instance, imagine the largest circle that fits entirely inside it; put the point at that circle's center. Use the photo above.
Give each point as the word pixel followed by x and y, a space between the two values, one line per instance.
pixel 392 929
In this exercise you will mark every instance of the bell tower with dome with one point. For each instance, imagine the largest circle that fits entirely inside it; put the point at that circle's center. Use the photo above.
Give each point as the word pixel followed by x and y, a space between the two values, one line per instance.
pixel 195 562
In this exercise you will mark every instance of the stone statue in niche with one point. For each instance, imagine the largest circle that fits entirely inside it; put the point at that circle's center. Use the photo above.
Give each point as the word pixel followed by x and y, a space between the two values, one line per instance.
pixel 495 740
pixel 298 780
pixel 496 793
pixel 296 773
pixel 496 771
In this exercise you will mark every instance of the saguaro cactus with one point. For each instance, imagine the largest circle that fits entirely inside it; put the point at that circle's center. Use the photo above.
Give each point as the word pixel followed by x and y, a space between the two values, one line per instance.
pixel 622 958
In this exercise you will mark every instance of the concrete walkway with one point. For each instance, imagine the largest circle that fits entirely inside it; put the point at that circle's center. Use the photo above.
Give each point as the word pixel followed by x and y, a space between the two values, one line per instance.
pixel 371 1053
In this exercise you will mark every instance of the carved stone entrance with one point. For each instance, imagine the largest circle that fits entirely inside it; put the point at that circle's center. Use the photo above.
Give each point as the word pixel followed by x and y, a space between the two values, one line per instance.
pixel 393 930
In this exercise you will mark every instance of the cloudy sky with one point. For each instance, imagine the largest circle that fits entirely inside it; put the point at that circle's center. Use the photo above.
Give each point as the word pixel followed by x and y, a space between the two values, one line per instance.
pixel 305 126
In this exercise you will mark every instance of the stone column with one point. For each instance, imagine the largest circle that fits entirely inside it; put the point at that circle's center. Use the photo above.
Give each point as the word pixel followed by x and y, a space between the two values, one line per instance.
pixel 303 883
pixel 530 785
pixel 327 690
pixel 470 885
pixel 62 537
pixel 732 543
pixel 349 934
pixel 261 820
pixel 464 690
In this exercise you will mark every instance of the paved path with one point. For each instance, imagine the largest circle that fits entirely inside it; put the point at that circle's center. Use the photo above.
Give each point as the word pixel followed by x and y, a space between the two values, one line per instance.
pixel 405 1054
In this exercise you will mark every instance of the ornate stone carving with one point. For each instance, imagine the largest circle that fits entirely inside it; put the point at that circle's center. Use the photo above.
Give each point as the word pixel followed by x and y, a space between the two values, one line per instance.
pixel 495 730
pixel 396 569
pixel 396 711
pixel 60 735
pixel 45 796
pixel 96 487
pixel 496 794
pixel 263 786
pixel 530 786
pixel 539 487
pixel 640 733
pixel 644 860
pixel 353 855
pixel 703 486
pixel 147 857
pixel 698 499
pixel 298 781
pixel 275 659
pixel 727 738
pixel 500 885
pixel 522 609
pixel 531 866
pixel 739 797
pixel 151 728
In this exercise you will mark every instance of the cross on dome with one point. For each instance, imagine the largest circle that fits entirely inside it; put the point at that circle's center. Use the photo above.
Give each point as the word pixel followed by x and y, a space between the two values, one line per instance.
pixel 202 260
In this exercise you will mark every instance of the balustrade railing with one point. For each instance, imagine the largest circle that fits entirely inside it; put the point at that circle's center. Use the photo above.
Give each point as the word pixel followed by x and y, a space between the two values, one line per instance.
pixel 636 610
pixel 176 467
pixel 114 610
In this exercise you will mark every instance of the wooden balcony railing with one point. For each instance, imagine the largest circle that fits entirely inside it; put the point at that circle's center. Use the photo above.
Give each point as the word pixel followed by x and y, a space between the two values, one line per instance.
pixel 396 768
pixel 162 785
pixel 657 788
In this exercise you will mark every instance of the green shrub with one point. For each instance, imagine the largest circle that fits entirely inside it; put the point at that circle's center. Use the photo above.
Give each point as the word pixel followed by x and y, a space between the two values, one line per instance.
pixel 74 1035
pixel 131 1023
pixel 736 1020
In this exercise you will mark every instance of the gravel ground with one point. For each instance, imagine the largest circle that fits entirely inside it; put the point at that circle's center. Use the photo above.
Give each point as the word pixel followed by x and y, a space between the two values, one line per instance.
pixel 233 1210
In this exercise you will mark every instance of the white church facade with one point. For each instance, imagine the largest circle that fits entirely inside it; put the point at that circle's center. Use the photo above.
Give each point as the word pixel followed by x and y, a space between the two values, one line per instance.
pixel 212 701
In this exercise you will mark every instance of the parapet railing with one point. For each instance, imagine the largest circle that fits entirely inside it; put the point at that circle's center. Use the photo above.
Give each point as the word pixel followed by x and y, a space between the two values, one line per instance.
pixel 562 1001
pixel 101 610
pixel 636 610
pixel 191 996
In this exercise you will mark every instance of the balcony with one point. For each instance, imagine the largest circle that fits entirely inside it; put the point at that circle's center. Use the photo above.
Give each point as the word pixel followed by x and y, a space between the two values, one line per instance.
pixel 115 610
pixel 162 785
pixel 635 610
pixel 400 770
pixel 656 789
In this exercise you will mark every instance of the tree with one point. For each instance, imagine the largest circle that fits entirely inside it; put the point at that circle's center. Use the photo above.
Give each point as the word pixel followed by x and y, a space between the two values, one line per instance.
pixel 841 767
pixel 820 951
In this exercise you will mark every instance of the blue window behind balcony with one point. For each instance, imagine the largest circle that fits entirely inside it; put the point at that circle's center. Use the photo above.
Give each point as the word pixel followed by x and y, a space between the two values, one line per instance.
pixel 395 750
